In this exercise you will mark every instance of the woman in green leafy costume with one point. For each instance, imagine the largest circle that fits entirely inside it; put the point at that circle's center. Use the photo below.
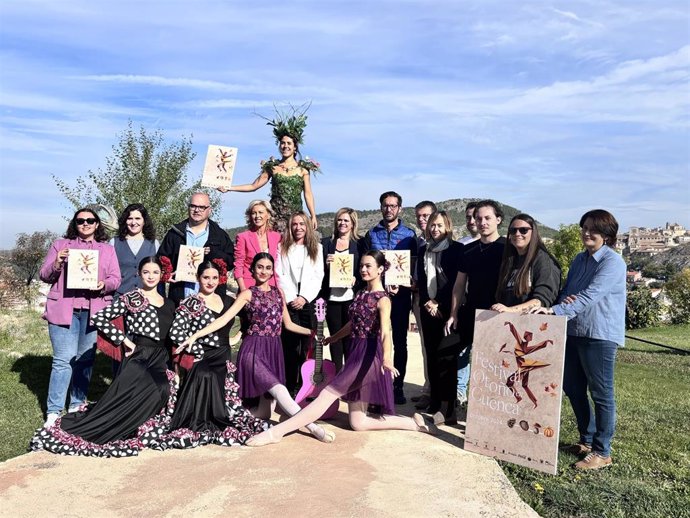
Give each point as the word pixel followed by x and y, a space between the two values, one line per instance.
pixel 289 176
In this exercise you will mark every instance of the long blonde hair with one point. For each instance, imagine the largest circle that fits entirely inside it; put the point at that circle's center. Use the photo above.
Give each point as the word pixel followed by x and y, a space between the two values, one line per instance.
pixel 354 234
pixel 311 241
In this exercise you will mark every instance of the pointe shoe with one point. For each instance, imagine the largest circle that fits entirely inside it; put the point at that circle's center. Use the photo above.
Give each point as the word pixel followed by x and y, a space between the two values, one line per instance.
pixel 423 425
pixel 327 436
pixel 267 438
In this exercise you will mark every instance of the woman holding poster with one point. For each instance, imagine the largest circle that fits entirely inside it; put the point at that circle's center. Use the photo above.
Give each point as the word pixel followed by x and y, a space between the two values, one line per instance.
pixel 529 276
pixel 137 406
pixel 341 252
pixel 289 176
pixel 593 300
pixel 68 311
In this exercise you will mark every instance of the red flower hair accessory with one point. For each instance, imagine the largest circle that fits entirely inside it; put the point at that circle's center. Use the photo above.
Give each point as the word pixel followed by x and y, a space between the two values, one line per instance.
pixel 222 270
pixel 167 268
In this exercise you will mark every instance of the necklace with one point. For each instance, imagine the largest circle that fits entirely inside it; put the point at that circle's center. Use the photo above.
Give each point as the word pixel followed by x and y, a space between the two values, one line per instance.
pixel 289 169
pixel 482 248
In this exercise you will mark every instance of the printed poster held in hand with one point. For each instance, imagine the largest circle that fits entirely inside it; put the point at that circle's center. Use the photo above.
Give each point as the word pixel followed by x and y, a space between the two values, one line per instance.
pixel 514 403
pixel 219 166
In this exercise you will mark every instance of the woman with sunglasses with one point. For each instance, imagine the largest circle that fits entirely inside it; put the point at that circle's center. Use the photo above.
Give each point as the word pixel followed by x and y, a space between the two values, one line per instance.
pixel 68 311
pixel 529 276
pixel 136 408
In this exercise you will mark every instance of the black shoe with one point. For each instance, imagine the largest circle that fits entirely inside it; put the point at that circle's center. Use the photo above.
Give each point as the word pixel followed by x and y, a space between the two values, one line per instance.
pixel 399 397
pixel 422 402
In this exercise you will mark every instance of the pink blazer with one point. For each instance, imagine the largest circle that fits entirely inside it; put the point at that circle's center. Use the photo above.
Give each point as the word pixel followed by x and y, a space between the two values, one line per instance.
pixel 246 247
pixel 61 301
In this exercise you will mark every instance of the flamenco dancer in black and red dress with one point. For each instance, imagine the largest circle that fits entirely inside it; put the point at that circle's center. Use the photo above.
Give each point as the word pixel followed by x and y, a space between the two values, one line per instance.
pixel 208 409
pixel 138 405
pixel 366 376
pixel 260 362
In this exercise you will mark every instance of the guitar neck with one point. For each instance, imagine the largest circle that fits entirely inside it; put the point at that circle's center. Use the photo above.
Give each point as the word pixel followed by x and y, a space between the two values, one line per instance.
pixel 318 347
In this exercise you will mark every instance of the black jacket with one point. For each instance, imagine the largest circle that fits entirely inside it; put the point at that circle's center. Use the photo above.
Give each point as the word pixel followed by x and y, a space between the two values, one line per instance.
pixel 218 241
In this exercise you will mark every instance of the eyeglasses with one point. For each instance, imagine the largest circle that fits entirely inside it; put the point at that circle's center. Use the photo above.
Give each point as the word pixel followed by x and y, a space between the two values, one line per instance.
pixel 200 208
pixel 523 230
pixel 389 207
pixel 88 221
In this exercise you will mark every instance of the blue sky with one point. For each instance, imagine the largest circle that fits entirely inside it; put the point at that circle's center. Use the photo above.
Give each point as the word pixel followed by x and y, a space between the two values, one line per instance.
pixel 553 107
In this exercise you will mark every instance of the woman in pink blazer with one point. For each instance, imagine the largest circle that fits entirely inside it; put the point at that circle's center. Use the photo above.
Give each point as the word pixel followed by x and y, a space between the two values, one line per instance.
pixel 68 311
pixel 259 238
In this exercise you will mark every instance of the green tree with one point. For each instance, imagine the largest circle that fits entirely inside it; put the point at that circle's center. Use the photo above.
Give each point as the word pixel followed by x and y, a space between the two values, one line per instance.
pixel 29 252
pixel 565 246
pixel 143 168
pixel 677 289
pixel 642 310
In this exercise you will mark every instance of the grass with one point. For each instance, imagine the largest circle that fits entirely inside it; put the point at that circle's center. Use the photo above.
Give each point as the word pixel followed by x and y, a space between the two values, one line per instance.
pixel 650 476
pixel 651 451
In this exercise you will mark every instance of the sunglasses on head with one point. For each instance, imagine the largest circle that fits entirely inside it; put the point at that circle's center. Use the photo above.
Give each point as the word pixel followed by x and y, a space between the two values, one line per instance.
pixel 81 221
pixel 523 230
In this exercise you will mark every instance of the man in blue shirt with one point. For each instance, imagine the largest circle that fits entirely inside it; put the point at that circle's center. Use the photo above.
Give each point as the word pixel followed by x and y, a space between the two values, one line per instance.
pixel 391 234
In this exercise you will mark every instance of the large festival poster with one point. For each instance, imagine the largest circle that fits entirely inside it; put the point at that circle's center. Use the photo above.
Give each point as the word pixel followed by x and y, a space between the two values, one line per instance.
pixel 82 269
pixel 341 271
pixel 516 376
pixel 398 272
pixel 188 261
pixel 219 166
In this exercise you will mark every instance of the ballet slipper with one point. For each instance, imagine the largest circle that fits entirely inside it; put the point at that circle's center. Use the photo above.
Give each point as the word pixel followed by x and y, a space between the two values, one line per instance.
pixel 264 438
pixel 424 426
pixel 326 436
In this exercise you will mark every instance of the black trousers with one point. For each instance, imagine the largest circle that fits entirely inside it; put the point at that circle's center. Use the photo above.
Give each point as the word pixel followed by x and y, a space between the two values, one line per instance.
pixel 401 305
pixel 336 317
pixel 442 360
pixel 295 346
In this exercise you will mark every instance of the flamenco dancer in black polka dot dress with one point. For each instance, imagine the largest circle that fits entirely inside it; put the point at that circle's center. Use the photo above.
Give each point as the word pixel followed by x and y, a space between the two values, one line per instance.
pixel 208 409
pixel 138 405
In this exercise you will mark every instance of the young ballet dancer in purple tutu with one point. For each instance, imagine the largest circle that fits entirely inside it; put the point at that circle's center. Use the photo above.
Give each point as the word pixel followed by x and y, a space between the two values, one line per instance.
pixel 366 376
pixel 260 362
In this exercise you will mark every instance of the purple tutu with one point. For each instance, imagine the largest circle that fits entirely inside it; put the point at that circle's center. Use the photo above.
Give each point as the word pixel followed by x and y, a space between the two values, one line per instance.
pixel 260 365
pixel 260 362
pixel 361 378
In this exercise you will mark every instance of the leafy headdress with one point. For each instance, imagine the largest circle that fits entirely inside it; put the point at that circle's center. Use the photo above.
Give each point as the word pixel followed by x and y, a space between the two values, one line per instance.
pixel 291 122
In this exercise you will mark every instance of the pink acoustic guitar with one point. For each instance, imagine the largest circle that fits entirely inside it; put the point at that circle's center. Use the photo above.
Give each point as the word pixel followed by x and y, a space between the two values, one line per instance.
pixel 317 372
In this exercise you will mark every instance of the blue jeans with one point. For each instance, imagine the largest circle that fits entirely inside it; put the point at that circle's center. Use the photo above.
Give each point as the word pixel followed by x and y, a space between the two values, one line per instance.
pixel 464 372
pixel 589 363
pixel 74 350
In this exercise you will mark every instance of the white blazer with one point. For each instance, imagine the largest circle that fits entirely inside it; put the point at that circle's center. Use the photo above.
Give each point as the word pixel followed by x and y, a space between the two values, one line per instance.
pixel 289 279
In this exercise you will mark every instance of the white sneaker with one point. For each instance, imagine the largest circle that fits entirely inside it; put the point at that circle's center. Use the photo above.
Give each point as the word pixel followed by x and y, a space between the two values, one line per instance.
pixel 73 409
pixel 50 420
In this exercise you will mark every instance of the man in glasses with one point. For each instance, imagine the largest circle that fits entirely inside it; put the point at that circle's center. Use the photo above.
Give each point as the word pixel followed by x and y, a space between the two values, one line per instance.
pixel 476 282
pixel 196 230
pixel 391 234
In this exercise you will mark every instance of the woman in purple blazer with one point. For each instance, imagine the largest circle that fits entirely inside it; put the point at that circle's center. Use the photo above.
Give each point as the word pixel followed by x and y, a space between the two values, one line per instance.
pixel 259 238
pixel 68 311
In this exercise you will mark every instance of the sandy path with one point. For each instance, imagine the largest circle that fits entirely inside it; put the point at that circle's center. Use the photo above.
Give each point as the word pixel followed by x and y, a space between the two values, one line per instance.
pixel 380 474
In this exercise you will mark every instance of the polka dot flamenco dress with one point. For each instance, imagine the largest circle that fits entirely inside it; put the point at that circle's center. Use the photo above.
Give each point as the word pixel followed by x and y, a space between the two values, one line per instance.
pixel 138 405
pixel 208 409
